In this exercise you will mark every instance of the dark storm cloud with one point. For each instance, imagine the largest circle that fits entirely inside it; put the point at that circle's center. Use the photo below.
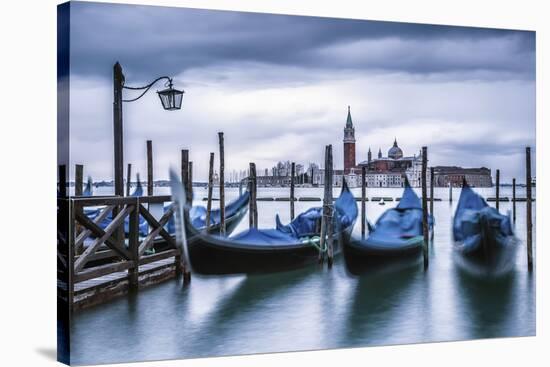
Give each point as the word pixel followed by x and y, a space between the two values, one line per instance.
pixel 153 40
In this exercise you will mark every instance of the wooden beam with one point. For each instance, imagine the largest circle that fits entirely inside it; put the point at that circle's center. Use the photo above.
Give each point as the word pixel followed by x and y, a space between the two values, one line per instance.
pixel 292 174
pixel 253 212
pixel 128 179
pixel 101 270
pixel 99 232
pixel 114 225
pixel 363 201
pixel 514 199
pixel 149 168
pixel 78 179
pixel 148 241
pixel 222 184
pixel 425 228
pixel 330 211
pixel 528 183
pixel 84 234
pixel 210 188
pixel 497 194
pixel 155 224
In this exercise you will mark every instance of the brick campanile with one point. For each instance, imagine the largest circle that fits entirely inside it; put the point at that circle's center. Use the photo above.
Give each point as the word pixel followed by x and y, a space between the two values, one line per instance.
pixel 349 144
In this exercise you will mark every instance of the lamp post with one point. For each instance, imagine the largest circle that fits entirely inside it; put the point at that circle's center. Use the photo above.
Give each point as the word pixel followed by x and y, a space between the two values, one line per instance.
pixel 170 98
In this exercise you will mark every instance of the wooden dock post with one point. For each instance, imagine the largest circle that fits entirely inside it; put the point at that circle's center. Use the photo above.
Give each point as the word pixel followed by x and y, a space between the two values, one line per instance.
pixel 514 199
pixel 529 193
pixel 497 194
pixel 62 178
pixel 363 200
pixel 128 179
pixel 190 185
pixel 184 168
pixel 253 212
pixel 149 168
pixel 425 229
pixel 78 179
pixel 330 211
pixel 133 246
pixel 432 191
pixel 210 188
pixel 323 232
pixel 292 173
pixel 222 184
pixel 450 191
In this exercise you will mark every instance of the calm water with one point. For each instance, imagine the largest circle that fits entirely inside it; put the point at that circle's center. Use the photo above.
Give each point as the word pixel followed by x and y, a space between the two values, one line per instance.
pixel 313 308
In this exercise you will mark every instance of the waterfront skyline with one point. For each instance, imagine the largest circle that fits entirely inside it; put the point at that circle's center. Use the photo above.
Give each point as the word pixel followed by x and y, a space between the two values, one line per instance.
pixel 466 93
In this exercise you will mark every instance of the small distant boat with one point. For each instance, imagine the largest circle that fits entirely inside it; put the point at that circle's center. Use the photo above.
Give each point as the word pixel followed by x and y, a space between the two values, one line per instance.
pixel 282 248
pixel 381 203
pixel 484 238
pixel 397 234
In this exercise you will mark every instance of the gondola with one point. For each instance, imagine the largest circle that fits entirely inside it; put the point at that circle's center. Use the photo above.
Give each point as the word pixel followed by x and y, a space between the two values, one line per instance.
pixel 285 247
pixel 484 238
pixel 397 237
pixel 234 212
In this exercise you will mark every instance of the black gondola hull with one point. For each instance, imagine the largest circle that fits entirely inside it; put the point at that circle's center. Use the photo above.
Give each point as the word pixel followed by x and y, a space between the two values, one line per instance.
pixel 361 259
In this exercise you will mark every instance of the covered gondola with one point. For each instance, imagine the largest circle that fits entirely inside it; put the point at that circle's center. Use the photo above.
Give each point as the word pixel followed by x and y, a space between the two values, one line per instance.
pixel 484 238
pixel 234 212
pixel 284 247
pixel 396 237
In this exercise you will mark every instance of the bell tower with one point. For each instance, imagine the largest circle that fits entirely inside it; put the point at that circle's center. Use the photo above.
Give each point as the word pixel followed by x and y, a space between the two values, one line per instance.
pixel 349 144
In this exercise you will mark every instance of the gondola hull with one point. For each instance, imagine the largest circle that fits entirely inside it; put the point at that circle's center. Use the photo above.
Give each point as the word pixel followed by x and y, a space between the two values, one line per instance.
pixel 213 255
pixel 396 239
pixel 361 258
pixel 268 250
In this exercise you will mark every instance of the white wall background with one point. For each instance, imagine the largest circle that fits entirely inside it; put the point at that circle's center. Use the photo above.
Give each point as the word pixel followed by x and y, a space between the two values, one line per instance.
pixel 28 154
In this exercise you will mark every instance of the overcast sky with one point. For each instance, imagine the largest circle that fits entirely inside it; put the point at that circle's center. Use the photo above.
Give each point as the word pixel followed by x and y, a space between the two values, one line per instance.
pixel 279 87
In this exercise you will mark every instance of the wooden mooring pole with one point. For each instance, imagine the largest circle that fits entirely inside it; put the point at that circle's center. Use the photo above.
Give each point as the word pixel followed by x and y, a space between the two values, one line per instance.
pixel 432 191
pixel 210 188
pixel 330 210
pixel 149 168
pixel 497 194
pixel 253 212
pixel 78 179
pixel 128 179
pixel 184 168
pixel 514 199
pixel 222 184
pixel 190 185
pixel 323 231
pixel 450 191
pixel 62 178
pixel 292 174
pixel 529 193
pixel 363 200
pixel 425 206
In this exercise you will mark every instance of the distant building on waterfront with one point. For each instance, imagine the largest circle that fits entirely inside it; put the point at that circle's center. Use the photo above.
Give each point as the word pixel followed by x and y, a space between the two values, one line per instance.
pixel 475 177
pixel 389 171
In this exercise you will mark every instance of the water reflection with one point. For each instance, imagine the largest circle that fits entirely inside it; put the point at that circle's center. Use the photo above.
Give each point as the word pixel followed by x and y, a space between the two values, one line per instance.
pixel 377 297
pixel 486 302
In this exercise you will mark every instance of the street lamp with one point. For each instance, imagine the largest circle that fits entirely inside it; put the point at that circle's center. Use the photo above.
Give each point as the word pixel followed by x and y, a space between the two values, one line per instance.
pixel 170 98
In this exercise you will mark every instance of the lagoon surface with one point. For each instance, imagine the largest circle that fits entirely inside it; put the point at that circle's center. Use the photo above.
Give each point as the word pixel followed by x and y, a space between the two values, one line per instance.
pixel 314 308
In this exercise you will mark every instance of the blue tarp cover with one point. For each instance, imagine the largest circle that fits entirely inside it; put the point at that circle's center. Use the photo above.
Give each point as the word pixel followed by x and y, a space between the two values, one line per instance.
pixel 473 216
pixel 400 227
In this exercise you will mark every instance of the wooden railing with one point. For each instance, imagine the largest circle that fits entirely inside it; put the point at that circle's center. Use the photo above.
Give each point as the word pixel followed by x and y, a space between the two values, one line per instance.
pixel 88 251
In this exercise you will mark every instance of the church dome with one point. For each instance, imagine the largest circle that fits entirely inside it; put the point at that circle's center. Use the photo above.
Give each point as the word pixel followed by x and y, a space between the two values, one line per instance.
pixel 395 152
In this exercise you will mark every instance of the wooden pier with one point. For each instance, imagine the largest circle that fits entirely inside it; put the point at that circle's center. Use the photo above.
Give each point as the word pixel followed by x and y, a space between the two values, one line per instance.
pixel 95 264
